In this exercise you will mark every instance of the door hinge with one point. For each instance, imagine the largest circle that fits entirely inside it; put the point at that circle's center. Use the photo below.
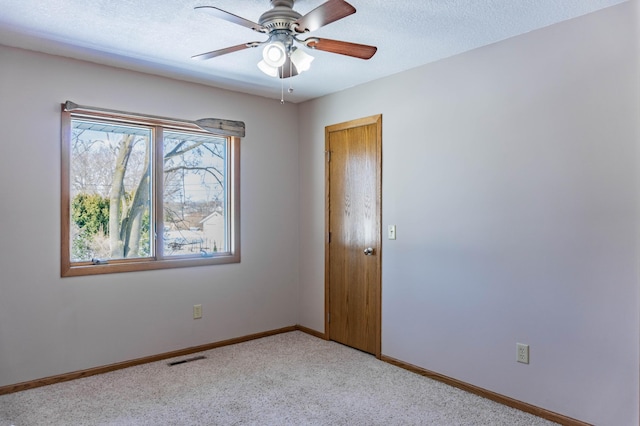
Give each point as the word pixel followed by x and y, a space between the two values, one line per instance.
pixel 328 317
pixel 328 237
pixel 328 154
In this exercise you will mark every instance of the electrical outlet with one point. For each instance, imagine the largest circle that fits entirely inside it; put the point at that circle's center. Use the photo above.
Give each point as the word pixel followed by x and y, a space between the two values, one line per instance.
pixel 197 311
pixel 523 353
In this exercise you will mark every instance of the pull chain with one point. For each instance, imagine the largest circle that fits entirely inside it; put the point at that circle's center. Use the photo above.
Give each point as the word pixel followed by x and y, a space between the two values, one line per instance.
pixel 290 74
pixel 281 86
pixel 290 89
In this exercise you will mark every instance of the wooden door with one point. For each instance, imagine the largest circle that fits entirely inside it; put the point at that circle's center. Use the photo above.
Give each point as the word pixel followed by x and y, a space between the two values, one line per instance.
pixel 353 223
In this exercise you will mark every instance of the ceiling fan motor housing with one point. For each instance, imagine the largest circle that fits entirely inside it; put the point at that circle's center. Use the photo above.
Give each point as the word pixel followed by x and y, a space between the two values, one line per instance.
pixel 280 17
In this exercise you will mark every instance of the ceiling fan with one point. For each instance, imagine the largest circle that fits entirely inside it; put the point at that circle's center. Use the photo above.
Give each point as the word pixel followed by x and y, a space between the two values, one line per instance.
pixel 281 57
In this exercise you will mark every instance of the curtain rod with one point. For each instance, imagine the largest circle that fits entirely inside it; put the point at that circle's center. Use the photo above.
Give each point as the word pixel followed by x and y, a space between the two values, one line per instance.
pixel 216 126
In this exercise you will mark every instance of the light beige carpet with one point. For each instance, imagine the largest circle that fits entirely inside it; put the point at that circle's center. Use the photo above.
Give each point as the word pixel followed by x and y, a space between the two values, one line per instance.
pixel 287 379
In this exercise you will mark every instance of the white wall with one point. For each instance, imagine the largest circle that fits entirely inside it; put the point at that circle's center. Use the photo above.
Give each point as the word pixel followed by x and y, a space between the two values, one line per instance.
pixel 511 174
pixel 50 325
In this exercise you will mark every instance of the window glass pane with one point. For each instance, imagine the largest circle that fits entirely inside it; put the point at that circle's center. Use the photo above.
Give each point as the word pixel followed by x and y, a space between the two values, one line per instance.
pixel 110 179
pixel 195 195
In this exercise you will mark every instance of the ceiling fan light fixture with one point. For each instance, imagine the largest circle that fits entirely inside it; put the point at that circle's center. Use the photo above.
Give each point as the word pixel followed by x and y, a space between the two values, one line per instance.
pixel 274 54
pixel 301 60
pixel 268 69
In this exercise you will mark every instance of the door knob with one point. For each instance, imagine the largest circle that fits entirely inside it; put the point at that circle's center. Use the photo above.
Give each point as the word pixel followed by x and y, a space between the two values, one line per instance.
pixel 368 251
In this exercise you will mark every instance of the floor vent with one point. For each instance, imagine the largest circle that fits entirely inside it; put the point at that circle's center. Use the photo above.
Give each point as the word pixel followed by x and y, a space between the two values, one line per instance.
pixel 195 358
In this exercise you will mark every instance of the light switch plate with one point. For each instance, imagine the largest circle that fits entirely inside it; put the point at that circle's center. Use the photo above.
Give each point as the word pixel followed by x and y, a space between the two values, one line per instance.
pixel 391 232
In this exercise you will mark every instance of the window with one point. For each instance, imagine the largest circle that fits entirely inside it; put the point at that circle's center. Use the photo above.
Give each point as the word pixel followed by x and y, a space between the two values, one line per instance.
pixel 142 193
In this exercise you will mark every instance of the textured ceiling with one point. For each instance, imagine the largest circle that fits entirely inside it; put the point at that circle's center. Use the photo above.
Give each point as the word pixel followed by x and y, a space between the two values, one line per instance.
pixel 160 36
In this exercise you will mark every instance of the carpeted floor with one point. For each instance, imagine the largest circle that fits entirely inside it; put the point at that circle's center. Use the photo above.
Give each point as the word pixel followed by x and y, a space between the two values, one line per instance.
pixel 287 379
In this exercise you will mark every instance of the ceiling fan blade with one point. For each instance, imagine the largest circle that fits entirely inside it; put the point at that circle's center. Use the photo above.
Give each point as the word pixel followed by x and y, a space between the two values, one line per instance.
pixel 223 14
pixel 220 52
pixel 356 50
pixel 322 15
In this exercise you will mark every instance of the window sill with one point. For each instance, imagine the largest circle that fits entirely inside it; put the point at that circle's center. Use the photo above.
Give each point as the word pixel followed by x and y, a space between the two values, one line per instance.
pixel 76 270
